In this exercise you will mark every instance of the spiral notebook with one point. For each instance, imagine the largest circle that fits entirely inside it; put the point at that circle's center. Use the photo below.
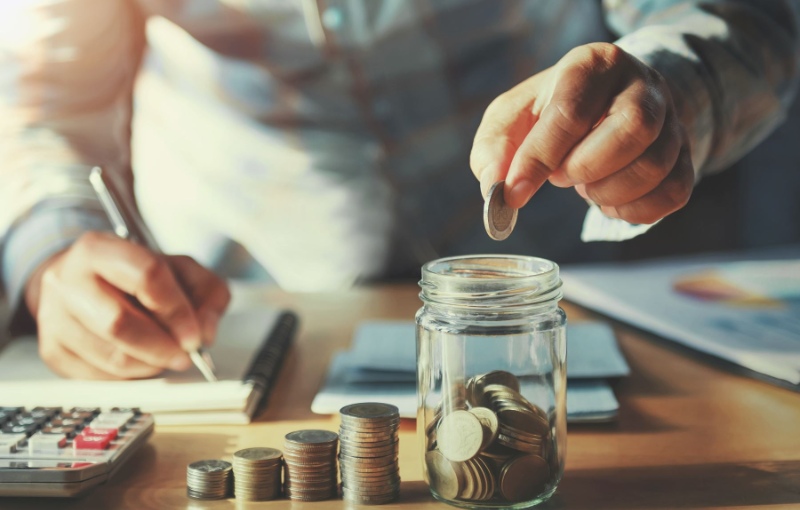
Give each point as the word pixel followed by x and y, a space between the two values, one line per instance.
pixel 248 353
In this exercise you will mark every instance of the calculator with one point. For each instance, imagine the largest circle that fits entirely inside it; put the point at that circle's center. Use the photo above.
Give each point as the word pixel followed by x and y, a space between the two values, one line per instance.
pixel 53 451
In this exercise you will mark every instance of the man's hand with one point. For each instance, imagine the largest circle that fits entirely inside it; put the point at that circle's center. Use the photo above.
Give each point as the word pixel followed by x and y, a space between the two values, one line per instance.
pixel 599 120
pixel 89 327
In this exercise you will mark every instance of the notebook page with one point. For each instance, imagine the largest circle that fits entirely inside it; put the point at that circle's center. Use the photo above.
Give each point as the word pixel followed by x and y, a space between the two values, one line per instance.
pixel 25 380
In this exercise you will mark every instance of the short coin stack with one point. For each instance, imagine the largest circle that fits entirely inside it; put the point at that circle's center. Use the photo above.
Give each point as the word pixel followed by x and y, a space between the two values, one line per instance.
pixel 208 479
pixel 257 474
pixel 493 444
pixel 310 472
pixel 368 453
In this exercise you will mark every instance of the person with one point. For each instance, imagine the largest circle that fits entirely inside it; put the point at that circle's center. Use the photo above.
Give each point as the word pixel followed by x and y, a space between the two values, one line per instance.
pixel 331 141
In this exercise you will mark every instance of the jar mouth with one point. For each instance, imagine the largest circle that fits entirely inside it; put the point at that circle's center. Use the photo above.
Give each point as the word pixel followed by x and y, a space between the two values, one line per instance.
pixel 490 281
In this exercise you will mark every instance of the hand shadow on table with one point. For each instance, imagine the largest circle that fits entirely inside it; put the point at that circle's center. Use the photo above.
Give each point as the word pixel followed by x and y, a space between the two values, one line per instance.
pixel 674 487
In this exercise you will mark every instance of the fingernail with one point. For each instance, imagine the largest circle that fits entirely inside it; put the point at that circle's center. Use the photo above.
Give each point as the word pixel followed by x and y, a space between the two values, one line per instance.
pixel 581 190
pixel 489 176
pixel 188 335
pixel 180 362
pixel 520 193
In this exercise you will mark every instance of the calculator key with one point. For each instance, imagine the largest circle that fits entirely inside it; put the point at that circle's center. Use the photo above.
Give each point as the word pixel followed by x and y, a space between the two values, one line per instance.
pixel 110 433
pixel 47 412
pixel 91 442
pixel 135 410
pixel 10 442
pixel 87 410
pixel 14 428
pixel 4 417
pixel 31 419
pixel 67 431
pixel 64 422
pixel 46 443
pixel 112 419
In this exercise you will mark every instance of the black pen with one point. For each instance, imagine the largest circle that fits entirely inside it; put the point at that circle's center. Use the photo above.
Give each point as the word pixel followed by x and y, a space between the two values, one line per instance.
pixel 128 226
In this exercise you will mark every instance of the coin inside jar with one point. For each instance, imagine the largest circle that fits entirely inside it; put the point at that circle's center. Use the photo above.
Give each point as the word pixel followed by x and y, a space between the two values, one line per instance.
pixel 460 436
pixel 498 218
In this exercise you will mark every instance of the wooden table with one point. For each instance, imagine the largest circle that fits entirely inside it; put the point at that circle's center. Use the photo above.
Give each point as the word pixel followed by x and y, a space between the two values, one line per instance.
pixel 689 435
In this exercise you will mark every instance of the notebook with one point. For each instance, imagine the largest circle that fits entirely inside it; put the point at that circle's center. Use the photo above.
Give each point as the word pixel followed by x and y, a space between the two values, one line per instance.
pixel 742 308
pixel 248 352
pixel 381 366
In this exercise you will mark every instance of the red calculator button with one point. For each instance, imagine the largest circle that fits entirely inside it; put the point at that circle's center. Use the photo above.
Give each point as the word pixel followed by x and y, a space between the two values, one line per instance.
pixel 91 442
pixel 104 432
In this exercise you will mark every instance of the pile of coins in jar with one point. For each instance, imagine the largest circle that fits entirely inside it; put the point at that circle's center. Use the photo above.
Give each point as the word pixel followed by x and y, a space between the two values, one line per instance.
pixel 368 460
pixel 488 442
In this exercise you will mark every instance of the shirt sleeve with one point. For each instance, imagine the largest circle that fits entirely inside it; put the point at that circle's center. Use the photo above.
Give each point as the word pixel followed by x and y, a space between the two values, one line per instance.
pixel 66 74
pixel 732 66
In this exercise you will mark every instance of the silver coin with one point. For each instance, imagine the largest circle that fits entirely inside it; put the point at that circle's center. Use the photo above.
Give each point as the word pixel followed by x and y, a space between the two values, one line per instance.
pixel 209 466
pixel 370 411
pixel 312 437
pixel 498 218
pixel 257 454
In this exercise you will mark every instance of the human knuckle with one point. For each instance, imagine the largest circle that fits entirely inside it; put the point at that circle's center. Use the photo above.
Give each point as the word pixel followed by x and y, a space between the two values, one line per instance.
pixel 678 191
pixel 573 117
pixel 643 121
pixel 152 270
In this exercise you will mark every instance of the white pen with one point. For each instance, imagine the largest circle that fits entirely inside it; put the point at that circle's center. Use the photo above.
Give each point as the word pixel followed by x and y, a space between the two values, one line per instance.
pixel 127 226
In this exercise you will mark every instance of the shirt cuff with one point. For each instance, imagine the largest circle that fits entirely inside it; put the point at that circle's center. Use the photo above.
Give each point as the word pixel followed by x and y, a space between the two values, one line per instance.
pixel 43 232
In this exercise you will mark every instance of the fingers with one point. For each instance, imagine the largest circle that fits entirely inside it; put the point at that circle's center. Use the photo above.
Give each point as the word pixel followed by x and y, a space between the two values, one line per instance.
pixel 669 196
pixel 101 354
pixel 137 271
pixel 634 121
pixel 581 90
pixel 208 292
pixel 503 128
pixel 107 313
pixel 641 176
pixel 67 364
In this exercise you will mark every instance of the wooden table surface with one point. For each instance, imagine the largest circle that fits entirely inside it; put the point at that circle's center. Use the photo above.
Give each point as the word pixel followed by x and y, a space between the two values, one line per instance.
pixel 690 434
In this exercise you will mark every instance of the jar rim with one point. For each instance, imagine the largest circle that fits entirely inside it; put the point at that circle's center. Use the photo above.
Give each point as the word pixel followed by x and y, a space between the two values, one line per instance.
pixel 489 280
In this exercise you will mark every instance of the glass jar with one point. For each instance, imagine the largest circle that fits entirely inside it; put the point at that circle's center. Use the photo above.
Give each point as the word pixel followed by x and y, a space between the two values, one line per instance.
pixel 491 376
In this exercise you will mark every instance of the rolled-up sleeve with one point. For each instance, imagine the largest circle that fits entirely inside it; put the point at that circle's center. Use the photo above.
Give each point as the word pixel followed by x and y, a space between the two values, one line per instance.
pixel 732 66
pixel 66 74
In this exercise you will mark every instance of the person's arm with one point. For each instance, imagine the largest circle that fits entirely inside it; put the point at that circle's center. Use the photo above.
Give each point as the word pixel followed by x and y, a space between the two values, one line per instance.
pixel 66 73
pixel 690 87
pixel 731 66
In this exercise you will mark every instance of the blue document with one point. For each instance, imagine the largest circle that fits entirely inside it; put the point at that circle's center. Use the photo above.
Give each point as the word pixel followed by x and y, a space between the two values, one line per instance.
pixel 381 366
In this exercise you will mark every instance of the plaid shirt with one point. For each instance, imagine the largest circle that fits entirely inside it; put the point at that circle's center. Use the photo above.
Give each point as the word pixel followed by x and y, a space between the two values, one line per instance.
pixel 330 136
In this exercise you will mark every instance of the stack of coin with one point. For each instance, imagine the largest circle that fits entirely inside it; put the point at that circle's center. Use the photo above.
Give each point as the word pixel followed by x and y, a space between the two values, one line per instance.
pixel 497 445
pixel 368 455
pixel 257 474
pixel 310 473
pixel 208 479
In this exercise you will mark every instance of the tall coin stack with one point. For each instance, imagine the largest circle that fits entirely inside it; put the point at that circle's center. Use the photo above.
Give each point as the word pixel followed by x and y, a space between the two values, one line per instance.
pixel 208 479
pixel 310 473
pixel 257 474
pixel 368 453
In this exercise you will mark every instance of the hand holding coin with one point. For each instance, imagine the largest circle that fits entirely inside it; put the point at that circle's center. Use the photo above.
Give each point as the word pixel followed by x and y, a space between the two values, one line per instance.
pixel 498 218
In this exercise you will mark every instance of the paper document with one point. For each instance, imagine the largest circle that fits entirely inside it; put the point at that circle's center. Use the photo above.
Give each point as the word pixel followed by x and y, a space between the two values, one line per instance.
pixel 743 311
pixel 381 366
pixel 174 398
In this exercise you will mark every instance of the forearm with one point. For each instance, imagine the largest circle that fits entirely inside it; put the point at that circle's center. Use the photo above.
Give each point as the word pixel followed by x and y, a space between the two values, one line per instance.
pixel 732 67
pixel 64 106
